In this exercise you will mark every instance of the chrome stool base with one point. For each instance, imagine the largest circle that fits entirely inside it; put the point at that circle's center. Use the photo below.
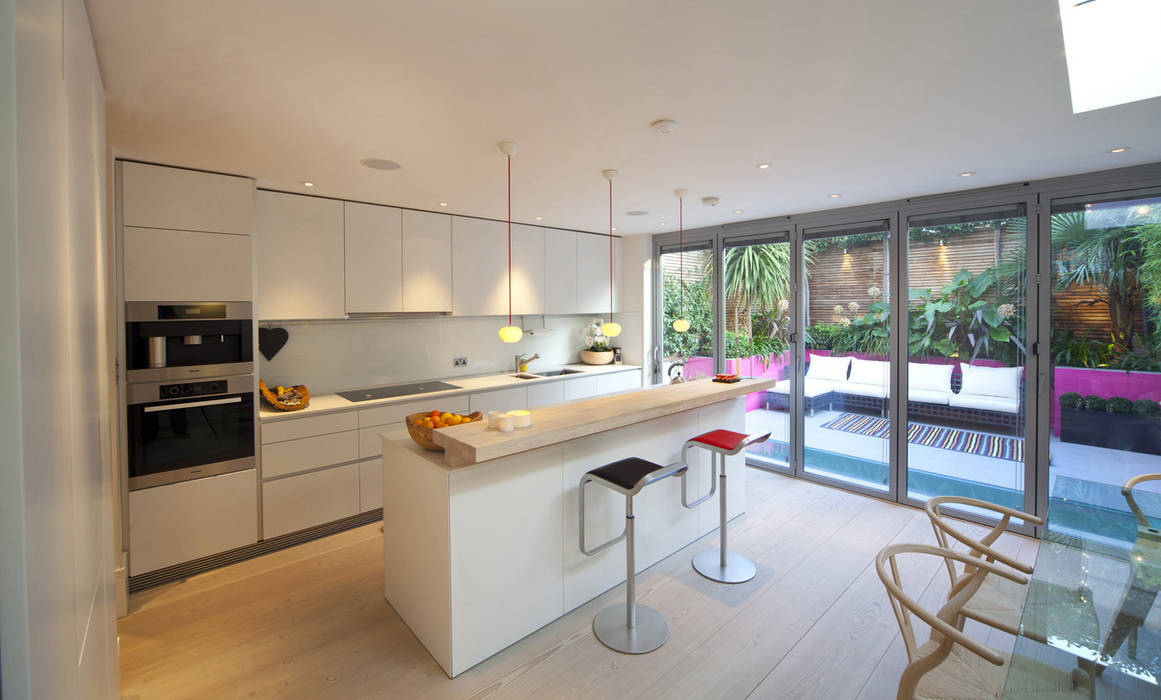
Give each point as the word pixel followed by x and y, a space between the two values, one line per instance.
pixel 738 569
pixel 611 629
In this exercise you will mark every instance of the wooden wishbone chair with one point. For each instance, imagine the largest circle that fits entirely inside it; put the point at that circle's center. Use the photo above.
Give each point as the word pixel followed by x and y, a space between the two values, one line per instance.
pixel 951 664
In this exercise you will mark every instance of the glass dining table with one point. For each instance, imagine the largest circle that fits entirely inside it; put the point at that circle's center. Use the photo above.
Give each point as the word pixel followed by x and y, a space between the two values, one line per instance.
pixel 1091 605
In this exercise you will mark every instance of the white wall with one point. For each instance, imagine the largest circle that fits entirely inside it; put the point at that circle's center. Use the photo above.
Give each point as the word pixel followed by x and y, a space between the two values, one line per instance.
pixel 57 626
pixel 636 300
pixel 330 356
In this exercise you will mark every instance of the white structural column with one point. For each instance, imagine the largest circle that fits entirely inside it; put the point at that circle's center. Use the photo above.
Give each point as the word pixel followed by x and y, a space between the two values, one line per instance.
pixel 478 557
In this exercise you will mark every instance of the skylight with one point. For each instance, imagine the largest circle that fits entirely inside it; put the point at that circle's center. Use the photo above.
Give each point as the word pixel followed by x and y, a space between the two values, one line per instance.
pixel 1111 47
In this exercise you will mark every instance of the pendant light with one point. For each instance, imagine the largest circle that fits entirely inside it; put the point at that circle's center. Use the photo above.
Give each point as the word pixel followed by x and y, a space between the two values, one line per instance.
pixel 610 329
pixel 510 333
pixel 681 323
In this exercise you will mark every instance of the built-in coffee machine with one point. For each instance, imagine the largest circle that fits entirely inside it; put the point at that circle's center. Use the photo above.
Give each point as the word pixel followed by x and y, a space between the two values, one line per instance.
pixel 190 392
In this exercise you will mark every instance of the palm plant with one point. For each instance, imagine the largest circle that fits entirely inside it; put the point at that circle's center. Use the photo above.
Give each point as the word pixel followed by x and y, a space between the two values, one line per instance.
pixel 757 275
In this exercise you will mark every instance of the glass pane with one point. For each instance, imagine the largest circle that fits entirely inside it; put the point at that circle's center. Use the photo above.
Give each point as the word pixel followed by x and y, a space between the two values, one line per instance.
pixel 966 340
pixel 687 292
pixel 847 425
pixel 1106 363
pixel 759 320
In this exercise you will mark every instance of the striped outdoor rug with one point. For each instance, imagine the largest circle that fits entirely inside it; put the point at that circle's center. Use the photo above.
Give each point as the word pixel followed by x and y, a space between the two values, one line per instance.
pixel 969 441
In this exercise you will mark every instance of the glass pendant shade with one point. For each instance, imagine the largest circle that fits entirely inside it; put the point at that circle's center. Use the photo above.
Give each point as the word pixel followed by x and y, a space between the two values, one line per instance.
pixel 681 325
pixel 611 329
pixel 511 334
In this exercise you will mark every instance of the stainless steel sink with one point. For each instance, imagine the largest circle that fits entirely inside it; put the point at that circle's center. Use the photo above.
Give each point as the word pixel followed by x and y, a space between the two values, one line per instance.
pixel 525 375
pixel 559 372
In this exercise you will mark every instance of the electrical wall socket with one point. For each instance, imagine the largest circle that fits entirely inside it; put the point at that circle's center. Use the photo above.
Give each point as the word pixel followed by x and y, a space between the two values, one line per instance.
pixel 460 361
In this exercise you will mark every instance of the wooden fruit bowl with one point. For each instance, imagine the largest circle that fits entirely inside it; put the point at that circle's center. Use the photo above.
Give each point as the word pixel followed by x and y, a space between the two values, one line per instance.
pixel 422 435
pixel 272 398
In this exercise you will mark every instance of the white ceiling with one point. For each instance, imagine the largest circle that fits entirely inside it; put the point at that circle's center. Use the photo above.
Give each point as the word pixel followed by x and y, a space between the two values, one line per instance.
pixel 875 100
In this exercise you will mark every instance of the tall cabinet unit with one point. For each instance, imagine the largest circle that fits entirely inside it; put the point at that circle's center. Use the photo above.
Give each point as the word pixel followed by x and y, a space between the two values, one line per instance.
pixel 300 256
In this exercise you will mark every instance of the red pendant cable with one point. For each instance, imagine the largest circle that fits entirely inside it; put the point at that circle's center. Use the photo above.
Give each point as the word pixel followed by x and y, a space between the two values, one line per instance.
pixel 681 256
pixel 509 239
pixel 610 250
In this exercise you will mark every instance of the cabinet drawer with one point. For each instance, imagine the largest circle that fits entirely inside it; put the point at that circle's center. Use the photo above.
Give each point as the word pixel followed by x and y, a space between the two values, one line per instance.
pixel 293 429
pixel 300 455
pixel 618 381
pixel 193 519
pixel 370 485
pixel 303 501
pixel 499 400
pixel 545 394
pixel 396 412
pixel 580 388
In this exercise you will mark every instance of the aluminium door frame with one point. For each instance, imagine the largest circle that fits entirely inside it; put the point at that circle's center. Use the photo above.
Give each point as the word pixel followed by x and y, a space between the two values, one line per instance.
pixel 699 237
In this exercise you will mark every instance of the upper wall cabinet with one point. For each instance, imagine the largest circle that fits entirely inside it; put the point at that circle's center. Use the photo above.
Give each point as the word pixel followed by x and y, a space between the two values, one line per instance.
pixel 480 262
pixel 592 272
pixel 300 256
pixel 374 255
pixel 427 262
pixel 155 196
pixel 560 265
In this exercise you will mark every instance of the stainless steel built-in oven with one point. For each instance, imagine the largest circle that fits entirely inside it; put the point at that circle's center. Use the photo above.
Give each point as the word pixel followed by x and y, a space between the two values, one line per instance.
pixel 188 430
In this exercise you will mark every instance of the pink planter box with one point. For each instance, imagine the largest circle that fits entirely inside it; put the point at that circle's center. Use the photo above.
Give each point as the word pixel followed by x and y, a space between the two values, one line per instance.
pixel 1105 383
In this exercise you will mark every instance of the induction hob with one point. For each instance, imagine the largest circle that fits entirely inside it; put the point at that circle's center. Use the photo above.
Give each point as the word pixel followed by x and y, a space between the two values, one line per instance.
pixel 386 392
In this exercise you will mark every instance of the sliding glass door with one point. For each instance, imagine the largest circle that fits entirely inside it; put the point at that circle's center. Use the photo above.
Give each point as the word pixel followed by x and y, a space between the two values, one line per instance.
pixel 845 386
pixel 967 338
pixel 759 325
pixel 687 291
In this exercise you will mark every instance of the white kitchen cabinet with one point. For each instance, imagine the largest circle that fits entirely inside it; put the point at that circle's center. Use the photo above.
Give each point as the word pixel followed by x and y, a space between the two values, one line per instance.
pixel 295 428
pixel 374 258
pixel 299 455
pixel 480 264
pixel 592 273
pixel 580 388
pixel 376 421
pixel 560 272
pixel 173 265
pixel 618 381
pixel 370 484
pixel 305 500
pixel 427 262
pixel 181 522
pixel 300 256
pixel 544 394
pixel 156 196
pixel 499 400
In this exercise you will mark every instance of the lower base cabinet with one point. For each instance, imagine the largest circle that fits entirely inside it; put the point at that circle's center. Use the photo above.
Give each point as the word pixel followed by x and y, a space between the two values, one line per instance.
pixel 189 520
pixel 305 500
pixel 370 484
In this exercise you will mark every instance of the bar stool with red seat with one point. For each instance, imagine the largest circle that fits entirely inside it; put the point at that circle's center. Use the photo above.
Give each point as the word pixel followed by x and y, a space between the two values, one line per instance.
pixel 721 564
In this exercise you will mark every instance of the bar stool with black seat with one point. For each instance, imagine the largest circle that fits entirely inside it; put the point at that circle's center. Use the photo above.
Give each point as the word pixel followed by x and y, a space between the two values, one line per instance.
pixel 720 564
pixel 637 629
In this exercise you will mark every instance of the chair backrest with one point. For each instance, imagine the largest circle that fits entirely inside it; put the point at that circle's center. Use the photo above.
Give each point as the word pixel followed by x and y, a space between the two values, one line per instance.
pixel 948 531
pixel 1127 492
pixel 944 628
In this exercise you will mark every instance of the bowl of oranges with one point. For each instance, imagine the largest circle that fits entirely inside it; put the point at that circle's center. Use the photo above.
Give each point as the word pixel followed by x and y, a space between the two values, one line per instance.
pixel 421 425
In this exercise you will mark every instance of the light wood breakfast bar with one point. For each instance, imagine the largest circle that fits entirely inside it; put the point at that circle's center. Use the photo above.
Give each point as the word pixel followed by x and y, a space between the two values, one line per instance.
pixel 481 541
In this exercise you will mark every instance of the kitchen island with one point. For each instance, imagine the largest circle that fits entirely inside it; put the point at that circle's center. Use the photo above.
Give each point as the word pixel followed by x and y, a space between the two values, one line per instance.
pixel 481 542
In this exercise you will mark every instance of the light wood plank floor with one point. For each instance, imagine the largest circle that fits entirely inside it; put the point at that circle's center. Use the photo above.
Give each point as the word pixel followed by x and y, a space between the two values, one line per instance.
pixel 311 621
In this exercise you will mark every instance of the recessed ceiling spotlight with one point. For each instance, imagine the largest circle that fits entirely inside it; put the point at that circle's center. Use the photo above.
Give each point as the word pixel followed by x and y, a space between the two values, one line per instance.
pixel 737 211
pixel 660 223
pixel 664 126
pixel 763 166
pixel 1118 149
pixel 307 183
pixel 636 212
pixel 443 204
pixel 380 164
pixel 835 195
pixel 967 173
pixel 540 218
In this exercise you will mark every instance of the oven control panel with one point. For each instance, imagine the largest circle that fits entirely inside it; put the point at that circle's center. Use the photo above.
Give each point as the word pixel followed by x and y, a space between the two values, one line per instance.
pixel 188 389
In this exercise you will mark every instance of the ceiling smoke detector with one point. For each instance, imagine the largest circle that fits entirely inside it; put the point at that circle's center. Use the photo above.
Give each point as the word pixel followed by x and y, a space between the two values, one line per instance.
pixel 664 126
pixel 380 164
pixel 710 201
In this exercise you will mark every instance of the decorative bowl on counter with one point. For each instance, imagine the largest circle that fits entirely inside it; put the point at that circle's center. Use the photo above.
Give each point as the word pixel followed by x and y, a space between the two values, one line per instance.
pixel 590 357
pixel 421 425
pixel 285 398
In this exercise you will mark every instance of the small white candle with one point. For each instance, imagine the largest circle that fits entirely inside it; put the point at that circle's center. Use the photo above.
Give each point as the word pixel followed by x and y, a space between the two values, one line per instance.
pixel 493 418
pixel 505 423
pixel 523 418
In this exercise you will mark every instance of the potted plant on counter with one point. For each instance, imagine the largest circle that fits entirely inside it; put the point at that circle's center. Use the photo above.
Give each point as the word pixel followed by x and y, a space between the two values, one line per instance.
pixel 1115 423
pixel 597 350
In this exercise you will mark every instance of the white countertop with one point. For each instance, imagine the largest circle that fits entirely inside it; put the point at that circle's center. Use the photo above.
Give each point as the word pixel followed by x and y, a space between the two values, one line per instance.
pixel 333 403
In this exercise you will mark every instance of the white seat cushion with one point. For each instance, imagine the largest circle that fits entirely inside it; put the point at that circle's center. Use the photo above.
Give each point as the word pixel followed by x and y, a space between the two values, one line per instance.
pixel 929 396
pixel 929 377
pixel 1002 382
pixel 870 372
pixel 832 369
pixel 877 391
pixel 811 388
pixel 984 403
